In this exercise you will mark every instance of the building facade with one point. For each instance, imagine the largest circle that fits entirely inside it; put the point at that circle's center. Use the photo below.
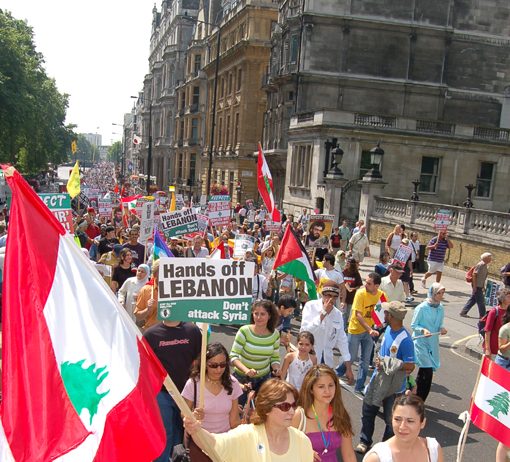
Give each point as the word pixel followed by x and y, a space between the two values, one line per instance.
pixel 428 80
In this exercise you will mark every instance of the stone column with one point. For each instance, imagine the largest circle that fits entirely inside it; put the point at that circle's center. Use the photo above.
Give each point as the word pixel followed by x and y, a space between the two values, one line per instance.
pixel 370 188
pixel 333 197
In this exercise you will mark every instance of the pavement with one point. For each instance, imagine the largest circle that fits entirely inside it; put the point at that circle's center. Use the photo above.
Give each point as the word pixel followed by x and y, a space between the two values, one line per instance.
pixel 457 293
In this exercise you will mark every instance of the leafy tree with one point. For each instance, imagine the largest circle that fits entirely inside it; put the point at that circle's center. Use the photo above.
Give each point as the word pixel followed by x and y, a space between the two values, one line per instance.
pixel 500 404
pixel 32 111
pixel 115 152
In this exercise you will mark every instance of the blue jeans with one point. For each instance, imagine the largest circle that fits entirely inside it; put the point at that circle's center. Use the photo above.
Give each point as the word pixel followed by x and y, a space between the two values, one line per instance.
pixel 502 361
pixel 172 422
pixel 477 297
pixel 357 341
pixel 368 415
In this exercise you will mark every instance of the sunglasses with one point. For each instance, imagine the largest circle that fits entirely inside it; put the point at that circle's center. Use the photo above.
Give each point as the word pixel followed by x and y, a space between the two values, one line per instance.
pixel 216 365
pixel 285 407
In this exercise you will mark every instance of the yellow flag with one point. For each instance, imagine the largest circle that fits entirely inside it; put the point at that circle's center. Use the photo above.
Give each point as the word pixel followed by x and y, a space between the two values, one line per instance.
pixel 172 203
pixel 74 147
pixel 73 184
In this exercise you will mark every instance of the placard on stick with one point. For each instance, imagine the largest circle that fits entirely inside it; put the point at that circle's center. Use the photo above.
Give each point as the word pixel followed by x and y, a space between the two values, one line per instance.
pixel 205 290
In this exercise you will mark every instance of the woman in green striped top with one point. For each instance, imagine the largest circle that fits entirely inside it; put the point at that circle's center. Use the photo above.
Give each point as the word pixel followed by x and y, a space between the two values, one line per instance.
pixel 256 349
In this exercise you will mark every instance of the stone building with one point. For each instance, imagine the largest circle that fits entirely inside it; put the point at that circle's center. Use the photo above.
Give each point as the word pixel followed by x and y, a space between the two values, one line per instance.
pixel 427 79
pixel 172 30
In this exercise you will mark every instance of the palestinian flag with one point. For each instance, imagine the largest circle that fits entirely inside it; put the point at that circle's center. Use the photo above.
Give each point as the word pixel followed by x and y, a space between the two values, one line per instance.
pixel 378 312
pixel 265 185
pixel 490 407
pixel 78 380
pixel 292 259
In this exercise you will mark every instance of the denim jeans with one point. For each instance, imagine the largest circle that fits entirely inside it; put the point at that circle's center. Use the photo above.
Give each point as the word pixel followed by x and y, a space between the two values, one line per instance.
pixel 502 361
pixel 172 422
pixel 477 297
pixel 357 341
pixel 368 415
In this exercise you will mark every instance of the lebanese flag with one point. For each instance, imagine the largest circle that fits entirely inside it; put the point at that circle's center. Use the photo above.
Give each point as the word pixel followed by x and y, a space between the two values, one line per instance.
pixel 78 381
pixel 265 185
pixel 378 312
pixel 292 259
pixel 490 407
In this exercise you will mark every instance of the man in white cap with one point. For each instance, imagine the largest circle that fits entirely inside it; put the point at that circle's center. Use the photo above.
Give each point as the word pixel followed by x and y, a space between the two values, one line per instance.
pixel 394 362
pixel 325 322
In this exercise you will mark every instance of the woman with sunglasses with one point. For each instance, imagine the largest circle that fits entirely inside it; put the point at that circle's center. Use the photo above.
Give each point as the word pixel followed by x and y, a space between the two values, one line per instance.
pixel 270 435
pixel 221 391
pixel 323 417
pixel 255 353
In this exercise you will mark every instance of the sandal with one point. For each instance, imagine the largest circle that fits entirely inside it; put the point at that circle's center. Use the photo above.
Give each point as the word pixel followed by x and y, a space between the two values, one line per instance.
pixel 361 448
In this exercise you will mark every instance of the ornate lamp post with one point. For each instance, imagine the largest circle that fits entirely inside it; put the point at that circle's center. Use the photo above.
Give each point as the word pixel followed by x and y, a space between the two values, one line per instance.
pixel 415 196
pixel 376 155
pixel 468 203
pixel 335 172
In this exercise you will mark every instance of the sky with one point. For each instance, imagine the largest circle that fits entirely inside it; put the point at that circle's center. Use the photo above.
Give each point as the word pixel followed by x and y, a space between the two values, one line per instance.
pixel 97 51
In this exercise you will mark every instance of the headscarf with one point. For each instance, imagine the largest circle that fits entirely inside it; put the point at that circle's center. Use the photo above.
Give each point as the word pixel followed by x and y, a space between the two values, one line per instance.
pixel 433 290
pixel 147 272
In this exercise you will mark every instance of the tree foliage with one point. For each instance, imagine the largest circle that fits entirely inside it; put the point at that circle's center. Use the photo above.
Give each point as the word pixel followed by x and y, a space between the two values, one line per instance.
pixel 115 152
pixel 32 111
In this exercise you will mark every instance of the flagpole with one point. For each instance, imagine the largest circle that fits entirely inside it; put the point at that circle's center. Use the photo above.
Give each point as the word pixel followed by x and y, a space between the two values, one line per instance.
pixel 203 366
pixel 465 430
pixel 186 411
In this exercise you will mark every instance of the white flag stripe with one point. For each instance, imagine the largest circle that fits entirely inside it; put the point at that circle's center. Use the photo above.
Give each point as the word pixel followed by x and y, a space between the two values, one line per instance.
pixel 486 391
pixel 5 449
pixel 77 283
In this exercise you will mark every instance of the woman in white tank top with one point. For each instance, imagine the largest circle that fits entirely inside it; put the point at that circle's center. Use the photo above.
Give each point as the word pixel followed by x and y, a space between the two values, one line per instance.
pixel 408 420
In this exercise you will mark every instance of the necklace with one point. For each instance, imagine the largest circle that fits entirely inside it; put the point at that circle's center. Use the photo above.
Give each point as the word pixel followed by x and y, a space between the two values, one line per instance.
pixel 326 442
pixel 215 382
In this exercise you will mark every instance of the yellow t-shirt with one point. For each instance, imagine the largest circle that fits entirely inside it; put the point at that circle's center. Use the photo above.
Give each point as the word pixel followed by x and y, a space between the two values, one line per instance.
pixel 249 444
pixel 364 303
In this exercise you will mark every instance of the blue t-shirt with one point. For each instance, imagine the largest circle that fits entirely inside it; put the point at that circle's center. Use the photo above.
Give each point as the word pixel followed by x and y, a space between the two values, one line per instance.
pixel 405 350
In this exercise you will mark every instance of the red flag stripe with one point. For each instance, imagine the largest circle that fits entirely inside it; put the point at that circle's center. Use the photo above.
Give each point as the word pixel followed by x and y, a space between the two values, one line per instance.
pixel 490 425
pixel 495 373
pixel 33 428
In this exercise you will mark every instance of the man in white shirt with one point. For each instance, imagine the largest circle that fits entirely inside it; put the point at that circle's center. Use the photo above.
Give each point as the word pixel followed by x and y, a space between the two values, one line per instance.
pixel 359 245
pixel 392 286
pixel 197 251
pixel 329 273
pixel 325 322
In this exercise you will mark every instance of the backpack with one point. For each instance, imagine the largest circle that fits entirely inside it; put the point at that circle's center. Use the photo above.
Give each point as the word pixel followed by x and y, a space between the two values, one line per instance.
pixel 469 274
pixel 483 321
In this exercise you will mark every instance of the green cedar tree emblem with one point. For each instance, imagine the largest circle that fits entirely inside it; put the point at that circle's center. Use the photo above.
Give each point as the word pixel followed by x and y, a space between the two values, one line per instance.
pixel 500 404
pixel 266 180
pixel 81 385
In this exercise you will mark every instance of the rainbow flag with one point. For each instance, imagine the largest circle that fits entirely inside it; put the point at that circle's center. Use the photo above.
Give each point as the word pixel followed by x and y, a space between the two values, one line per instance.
pixel 160 249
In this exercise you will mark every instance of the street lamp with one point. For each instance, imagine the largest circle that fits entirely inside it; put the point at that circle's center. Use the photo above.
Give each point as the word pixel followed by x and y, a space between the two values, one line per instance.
pixel 376 155
pixel 335 172
pixel 468 203
pixel 414 196
pixel 215 96
pixel 149 150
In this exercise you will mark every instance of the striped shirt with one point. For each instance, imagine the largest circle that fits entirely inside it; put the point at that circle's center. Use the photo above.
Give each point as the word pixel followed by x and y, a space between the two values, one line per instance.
pixel 257 352
pixel 438 254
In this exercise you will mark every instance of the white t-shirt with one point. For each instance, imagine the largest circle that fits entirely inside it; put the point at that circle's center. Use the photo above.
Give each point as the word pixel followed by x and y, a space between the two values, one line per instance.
pixel 383 451
pixel 393 292
pixel 332 274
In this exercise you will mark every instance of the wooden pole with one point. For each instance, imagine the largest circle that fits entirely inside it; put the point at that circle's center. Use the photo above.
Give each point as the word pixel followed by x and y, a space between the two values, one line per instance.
pixel 186 412
pixel 463 435
pixel 203 366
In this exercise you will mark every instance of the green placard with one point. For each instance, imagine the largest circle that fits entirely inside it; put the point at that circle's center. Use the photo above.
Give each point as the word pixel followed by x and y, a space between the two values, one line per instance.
pixel 57 201
pixel 207 290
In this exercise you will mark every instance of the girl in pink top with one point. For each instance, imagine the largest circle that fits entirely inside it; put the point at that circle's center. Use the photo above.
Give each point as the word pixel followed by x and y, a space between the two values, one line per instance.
pixel 221 391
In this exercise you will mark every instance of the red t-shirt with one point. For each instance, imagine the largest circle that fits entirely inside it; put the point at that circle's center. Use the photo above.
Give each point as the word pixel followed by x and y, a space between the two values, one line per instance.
pixel 492 325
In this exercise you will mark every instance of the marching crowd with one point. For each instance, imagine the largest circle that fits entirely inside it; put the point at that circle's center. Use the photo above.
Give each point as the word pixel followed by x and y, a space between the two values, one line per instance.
pixel 289 407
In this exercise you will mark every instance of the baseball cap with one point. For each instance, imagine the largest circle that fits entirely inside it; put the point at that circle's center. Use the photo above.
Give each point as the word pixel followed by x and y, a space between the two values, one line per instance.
pixel 396 309
pixel 396 267
pixel 330 286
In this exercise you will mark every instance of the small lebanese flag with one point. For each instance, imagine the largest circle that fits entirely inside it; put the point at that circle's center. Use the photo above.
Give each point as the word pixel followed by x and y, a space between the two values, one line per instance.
pixel 265 186
pixel 490 407
pixel 378 312
pixel 79 382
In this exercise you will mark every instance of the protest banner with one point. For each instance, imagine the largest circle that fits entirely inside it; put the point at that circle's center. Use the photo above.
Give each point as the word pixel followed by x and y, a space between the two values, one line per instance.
pixel 402 254
pixel 243 243
pixel 147 222
pixel 179 201
pixel 273 225
pixel 491 293
pixel 218 210
pixel 60 206
pixel 205 290
pixel 443 219
pixel 318 234
pixel 177 223
pixel 105 207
